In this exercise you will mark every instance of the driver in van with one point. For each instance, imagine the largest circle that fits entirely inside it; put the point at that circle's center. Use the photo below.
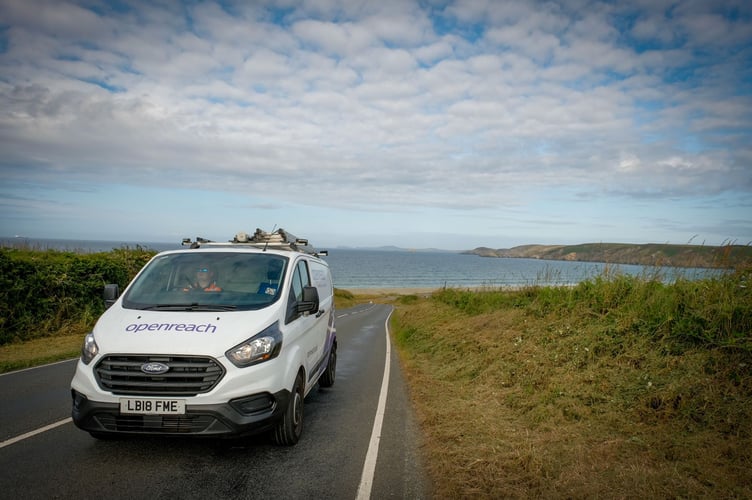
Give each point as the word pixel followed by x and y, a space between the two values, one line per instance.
pixel 204 281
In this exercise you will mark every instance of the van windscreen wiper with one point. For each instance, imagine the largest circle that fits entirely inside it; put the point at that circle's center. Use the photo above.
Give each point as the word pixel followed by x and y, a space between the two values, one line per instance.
pixel 192 306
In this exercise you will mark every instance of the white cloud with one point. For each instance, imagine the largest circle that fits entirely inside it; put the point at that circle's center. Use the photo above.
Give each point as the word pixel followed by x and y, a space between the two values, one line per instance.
pixel 471 105
pixel 434 52
pixel 335 39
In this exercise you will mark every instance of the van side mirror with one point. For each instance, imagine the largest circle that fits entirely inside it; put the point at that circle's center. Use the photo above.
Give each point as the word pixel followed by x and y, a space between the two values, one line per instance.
pixel 310 302
pixel 111 294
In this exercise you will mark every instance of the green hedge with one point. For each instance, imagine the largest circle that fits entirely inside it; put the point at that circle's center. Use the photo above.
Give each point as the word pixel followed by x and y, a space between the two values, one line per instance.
pixel 47 292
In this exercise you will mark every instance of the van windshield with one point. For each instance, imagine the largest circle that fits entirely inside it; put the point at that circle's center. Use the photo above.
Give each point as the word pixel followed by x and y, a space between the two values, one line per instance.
pixel 208 281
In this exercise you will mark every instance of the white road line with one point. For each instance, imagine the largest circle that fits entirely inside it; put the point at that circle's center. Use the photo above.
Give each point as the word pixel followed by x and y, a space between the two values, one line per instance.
pixel 372 305
pixel 46 428
pixel 369 467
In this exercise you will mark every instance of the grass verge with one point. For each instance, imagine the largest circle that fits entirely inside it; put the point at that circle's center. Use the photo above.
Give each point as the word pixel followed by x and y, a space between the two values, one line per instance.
pixel 39 351
pixel 614 388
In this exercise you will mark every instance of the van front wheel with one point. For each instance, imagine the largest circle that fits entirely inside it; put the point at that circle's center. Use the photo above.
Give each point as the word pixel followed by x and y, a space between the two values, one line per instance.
pixel 327 378
pixel 290 427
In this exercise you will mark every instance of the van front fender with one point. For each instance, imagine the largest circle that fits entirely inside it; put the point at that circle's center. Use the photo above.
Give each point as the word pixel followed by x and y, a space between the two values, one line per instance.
pixel 294 363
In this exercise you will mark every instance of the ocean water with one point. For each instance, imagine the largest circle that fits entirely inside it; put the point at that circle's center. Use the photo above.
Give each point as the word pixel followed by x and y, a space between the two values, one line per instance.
pixel 353 269
pixel 358 269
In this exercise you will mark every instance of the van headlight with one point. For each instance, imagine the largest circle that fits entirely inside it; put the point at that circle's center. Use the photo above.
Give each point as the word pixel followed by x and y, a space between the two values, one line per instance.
pixel 90 349
pixel 259 348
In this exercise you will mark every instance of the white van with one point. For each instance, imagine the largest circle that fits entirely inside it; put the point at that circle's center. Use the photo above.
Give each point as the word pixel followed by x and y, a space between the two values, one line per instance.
pixel 221 339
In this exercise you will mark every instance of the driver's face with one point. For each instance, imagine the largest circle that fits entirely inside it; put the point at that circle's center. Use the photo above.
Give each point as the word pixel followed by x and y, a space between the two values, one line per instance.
pixel 203 274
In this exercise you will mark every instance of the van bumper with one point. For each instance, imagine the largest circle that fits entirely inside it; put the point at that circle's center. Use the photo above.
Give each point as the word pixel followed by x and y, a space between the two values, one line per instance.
pixel 248 415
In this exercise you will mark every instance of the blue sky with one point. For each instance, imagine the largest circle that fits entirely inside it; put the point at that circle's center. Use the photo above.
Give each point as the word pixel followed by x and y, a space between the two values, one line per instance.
pixel 448 124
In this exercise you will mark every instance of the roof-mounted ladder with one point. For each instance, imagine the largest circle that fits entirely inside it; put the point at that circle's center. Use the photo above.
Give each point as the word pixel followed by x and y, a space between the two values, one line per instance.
pixel 278 240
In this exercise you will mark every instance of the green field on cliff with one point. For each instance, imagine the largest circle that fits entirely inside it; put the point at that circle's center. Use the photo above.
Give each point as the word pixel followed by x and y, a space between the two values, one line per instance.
pixel 650 254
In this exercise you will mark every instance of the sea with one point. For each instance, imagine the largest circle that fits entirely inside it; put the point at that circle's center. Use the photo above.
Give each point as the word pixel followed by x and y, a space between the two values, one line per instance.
pixel 354 269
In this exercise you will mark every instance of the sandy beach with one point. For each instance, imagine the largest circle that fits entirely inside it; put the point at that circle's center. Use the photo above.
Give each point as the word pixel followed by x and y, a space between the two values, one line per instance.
pixel 391 291
pixel 425 290
pixel 413 290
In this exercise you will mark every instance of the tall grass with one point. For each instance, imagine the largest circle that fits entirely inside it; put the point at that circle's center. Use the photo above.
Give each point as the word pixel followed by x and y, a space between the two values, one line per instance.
pixel 617 387
pixel 713 312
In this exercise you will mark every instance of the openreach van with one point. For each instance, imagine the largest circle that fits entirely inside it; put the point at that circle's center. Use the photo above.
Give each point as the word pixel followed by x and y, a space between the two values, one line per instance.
pixel 218 339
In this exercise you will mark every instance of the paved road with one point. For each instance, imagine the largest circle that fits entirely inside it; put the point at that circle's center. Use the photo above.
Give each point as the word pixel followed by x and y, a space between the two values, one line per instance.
pixel 328 462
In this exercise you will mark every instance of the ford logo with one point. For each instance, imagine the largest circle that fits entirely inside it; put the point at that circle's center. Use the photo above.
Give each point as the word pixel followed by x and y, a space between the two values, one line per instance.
pixel 154 368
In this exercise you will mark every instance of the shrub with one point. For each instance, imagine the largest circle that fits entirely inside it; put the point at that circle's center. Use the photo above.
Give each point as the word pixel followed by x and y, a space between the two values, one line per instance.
pixel 45 292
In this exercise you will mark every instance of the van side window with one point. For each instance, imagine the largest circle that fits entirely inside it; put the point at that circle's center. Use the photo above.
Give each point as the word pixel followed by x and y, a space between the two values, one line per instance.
pixel 300 279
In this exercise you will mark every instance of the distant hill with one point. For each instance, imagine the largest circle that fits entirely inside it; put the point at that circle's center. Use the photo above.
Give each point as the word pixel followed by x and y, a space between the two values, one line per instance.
pixel 651 254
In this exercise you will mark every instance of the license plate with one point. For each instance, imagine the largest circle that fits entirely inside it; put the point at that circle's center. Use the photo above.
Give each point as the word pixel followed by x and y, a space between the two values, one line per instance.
pixel 138 406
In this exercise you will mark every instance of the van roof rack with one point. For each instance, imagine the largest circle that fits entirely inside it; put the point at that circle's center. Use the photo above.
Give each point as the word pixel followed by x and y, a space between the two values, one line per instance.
pixel 278 240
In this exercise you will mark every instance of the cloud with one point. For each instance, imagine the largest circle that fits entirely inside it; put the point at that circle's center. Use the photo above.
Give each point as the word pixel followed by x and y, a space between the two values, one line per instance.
pixel 467 105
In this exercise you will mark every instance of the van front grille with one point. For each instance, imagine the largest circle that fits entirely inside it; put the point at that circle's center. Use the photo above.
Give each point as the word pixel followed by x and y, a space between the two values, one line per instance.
pixel 185 376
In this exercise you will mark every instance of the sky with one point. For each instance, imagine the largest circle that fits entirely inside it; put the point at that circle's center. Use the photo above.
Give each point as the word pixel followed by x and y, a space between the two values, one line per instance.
pixel 436 123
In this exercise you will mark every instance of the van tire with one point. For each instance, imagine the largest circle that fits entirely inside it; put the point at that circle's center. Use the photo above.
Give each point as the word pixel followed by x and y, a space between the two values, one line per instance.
pixel 327 378
pixel 290 427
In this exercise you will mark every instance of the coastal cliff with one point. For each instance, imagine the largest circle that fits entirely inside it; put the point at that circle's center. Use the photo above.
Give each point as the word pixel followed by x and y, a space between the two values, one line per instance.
pixel 651 254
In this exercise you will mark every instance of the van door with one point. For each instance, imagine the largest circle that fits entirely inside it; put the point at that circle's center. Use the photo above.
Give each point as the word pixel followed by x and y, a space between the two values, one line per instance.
pixel 309 330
